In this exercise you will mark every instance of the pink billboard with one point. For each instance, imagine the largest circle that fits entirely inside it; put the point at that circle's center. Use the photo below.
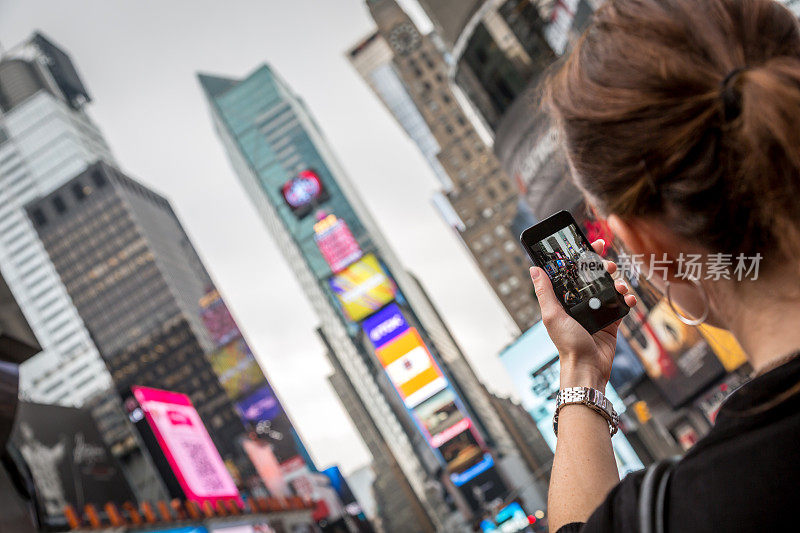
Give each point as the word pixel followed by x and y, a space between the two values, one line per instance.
pixel 336 243
pixel 187 445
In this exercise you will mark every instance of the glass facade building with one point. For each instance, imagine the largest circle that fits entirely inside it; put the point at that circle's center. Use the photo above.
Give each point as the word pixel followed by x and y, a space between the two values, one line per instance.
pixel 292 177
pixel 46 137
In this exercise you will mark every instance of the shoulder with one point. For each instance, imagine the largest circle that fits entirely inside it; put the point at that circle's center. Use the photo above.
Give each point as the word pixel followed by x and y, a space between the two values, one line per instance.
pixel 618 512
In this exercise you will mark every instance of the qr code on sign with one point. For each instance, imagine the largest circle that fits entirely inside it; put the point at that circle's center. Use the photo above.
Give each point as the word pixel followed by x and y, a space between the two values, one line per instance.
pixel 204 467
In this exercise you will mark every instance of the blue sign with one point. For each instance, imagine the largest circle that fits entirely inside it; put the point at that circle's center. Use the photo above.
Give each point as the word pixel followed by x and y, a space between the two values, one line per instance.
pixel 478 468
pixel 510 518
pixel 385 325
pixel 532 363
pixel 260 406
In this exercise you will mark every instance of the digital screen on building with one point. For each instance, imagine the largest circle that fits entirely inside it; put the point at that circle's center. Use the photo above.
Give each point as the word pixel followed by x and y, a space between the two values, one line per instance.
pixel 385 325
pixel 303 192
pixel 187 445
pixel 675 356
pixel 261 405
pixel 266 464
pixel 510 519
pixel 217 319
pixel 262 410
pixel 336 243
pixel 362 288
pixel 411 368
pixel 237 369
pixel 461 452
pixel 532 363
pixel 441 416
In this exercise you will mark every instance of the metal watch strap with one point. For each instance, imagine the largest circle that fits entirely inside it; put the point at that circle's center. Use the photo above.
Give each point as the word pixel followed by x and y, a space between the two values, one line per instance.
pixel 591 398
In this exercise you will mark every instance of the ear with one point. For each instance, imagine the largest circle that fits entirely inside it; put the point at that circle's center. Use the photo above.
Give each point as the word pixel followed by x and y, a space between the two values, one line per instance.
pixel 646 238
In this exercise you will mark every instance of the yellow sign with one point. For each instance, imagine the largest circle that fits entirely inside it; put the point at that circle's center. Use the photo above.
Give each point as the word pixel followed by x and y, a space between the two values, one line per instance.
pixel 725 346
pixel 642 411
pixel 362 288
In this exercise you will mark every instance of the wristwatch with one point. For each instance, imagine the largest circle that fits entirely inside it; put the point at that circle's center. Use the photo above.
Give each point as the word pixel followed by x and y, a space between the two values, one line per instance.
pixel 591 398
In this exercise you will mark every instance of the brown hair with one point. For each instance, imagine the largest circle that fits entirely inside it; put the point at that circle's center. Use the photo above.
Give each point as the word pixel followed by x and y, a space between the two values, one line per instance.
pixel 688 111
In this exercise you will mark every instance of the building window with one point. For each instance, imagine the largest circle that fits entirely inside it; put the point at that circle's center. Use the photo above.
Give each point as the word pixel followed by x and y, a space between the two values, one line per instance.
pixel 59 204
pixel 98 179
pixel 38 217
pixel 79 191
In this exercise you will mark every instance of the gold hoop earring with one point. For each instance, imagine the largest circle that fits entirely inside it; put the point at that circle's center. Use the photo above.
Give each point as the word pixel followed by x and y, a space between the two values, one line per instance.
pixel 683 318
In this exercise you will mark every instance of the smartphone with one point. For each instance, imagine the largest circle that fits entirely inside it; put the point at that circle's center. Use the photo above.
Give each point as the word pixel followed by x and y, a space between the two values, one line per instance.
pixel 580 280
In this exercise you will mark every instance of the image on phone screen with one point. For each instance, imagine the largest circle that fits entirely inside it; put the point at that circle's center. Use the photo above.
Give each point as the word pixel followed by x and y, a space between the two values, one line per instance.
pixel 577 273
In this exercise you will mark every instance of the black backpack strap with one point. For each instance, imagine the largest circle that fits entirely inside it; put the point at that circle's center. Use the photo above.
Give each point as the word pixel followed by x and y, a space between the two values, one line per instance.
pixel 653 496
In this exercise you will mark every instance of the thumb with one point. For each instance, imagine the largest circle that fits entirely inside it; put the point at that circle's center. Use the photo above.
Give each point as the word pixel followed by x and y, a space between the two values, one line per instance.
pixel 551 307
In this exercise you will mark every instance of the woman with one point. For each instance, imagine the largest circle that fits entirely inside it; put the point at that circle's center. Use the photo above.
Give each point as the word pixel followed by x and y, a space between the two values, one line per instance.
pixel 682 125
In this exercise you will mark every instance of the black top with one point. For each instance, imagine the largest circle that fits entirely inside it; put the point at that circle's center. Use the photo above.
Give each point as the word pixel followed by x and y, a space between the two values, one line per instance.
pixel 743 476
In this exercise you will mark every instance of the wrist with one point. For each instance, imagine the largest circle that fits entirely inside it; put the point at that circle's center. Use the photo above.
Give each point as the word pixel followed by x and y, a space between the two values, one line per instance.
pixel 577 375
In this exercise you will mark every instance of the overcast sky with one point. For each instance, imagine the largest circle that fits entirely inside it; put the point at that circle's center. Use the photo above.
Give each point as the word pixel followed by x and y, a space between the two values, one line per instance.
pixel 139 59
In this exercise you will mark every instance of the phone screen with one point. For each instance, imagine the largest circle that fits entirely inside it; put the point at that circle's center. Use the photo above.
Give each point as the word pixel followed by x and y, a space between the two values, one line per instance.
pixel 578 274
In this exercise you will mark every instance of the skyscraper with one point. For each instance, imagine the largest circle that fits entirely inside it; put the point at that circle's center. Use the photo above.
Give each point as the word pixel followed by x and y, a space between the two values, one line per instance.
pixel 413 379
pixel 153 311
pixel 409 73
pixel 46 137
pixel 398 508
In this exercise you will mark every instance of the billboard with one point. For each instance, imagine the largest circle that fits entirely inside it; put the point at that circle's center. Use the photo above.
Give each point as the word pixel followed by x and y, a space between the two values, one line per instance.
pixel 67 458
pixel 303 192
pixel 271 423
pixel 385 325
pixel 237 369
pixel 411 368
pixel 675 356
pixel 336 243
pixel 267 466
pixel 532 363
pixel 187 445
pixel 260 405
pixel 362 288
pixel 217 319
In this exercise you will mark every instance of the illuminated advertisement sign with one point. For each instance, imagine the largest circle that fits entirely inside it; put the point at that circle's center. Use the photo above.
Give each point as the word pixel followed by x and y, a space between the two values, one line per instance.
pixel 532 363
pixel 440 416
pixel 237 369
pixel 675 356
pixel 336 243
pixel 411 368
pixel 362 288
pixel 509 519
pixel 303 191
pixel 261 405
pixel 485 463
pixel 217 319
pixel 267 466
pixel 187 445
pixel 385 325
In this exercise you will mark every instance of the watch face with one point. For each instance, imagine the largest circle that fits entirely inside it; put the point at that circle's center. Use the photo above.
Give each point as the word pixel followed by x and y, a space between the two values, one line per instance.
pixel 404 38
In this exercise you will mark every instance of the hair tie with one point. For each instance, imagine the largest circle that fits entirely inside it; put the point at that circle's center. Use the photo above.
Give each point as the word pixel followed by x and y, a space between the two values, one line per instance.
pixel 731 98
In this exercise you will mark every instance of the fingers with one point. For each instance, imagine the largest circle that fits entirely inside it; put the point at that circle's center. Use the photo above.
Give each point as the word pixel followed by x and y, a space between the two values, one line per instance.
pixel 551 308
pixel 622 288
pixel 599 246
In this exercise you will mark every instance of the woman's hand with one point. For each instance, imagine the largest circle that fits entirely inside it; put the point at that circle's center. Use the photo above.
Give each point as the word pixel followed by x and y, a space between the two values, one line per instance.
pixel 585 359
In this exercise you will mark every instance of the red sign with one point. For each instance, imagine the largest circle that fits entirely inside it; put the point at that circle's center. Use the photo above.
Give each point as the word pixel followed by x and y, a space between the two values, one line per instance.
pixel 336 243
pixel 187 445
